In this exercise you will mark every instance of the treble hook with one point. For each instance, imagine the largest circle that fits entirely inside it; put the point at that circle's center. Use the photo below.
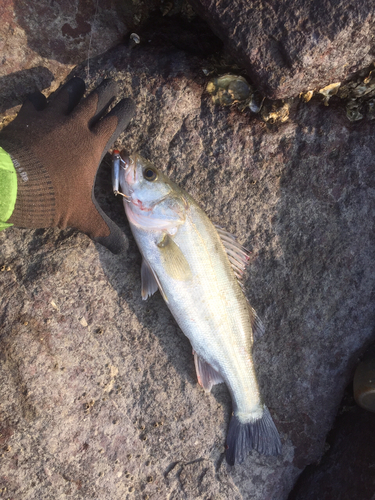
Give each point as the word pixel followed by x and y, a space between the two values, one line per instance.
pixel 117 162
pixel 127 198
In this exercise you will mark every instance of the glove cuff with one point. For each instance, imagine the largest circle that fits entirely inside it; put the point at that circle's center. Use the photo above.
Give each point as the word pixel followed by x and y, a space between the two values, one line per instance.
pixel 35 203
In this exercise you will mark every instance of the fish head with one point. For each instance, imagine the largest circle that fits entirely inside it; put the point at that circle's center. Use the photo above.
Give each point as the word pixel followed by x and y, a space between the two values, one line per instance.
pixel 152 200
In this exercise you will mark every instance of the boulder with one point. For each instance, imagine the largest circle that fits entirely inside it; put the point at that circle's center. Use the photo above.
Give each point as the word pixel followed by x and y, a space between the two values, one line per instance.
pixel 40 42
pixel 288 47
pixel 99 396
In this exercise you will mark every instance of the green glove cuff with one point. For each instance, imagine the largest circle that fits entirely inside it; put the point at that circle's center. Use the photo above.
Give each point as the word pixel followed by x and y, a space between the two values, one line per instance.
pixel 8 188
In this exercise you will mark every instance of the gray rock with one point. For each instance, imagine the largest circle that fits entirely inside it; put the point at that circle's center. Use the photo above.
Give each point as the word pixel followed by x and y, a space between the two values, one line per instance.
pixel 288 47
pixel 99 397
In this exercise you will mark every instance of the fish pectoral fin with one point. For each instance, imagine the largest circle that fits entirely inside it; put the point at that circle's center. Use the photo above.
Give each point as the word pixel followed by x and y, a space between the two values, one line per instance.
pixel 174 261
pixel 207 376
pixel 150 282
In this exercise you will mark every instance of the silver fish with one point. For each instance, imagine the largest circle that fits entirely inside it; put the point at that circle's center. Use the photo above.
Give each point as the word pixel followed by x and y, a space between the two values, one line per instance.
pixel 197 268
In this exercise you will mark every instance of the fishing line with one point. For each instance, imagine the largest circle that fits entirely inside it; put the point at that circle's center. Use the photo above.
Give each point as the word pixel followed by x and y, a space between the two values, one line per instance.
pixel 90 40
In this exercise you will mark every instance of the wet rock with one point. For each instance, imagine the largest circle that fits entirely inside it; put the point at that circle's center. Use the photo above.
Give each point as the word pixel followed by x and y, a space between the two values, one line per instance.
pixel 291 47
pixel 95 408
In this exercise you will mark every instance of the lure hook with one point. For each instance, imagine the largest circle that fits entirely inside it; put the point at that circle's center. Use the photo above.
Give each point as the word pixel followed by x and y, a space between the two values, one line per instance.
pixel 117 163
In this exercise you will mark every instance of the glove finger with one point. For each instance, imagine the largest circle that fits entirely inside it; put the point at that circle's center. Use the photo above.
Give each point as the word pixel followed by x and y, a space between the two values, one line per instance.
pixel 92 108
pixel 106 93
pixel 64 100
pixel 108 128
pixel 34 102
pixel 38 100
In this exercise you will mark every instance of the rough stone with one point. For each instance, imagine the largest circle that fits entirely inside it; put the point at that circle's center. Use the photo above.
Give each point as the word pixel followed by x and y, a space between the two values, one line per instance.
pixel 40 42
pixel 346 471
pixel 113 409
pixel 288 47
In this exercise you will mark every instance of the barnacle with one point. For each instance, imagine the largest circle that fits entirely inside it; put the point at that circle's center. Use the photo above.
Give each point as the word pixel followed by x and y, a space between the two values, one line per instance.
pixel 329 91
pixel 358 89
pixel 359 95
pixel 306 96
pixel 353 110
pixel 277 112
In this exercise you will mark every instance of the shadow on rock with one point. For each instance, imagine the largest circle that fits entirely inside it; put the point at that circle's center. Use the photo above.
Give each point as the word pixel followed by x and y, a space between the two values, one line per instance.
pixel 15 88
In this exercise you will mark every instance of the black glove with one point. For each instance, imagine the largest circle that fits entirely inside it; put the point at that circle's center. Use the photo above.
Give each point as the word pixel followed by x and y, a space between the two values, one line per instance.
pixel 57 147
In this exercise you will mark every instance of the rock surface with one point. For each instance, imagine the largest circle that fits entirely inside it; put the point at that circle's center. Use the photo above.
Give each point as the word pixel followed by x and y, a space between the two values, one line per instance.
pixel 40 42
pixel 99 397
pixel 288 47
pixel 347 469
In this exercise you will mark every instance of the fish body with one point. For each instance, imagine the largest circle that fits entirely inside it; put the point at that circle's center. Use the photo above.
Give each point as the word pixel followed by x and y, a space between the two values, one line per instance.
pixel 186 257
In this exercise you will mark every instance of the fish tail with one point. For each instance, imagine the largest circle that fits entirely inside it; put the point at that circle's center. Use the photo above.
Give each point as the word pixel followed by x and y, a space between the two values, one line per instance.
pixel 260 435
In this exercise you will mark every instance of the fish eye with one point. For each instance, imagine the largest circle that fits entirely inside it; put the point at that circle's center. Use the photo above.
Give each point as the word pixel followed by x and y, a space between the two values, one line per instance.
pixel 150 174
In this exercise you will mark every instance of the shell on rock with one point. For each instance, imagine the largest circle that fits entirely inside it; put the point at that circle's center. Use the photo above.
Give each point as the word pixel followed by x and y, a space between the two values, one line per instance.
pixel 228 89
pixel 353 110
pixel 329 91
pixel 278 112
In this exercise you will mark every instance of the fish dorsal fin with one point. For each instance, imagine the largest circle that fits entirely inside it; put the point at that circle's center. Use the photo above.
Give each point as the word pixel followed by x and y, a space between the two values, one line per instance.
pixel 256 324
pixel 174 261
pixel 238 255
pixel 150 282
pixel 207 376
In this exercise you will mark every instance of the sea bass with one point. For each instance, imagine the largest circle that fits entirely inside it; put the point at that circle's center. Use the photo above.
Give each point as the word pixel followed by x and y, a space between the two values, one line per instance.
pixel 197 267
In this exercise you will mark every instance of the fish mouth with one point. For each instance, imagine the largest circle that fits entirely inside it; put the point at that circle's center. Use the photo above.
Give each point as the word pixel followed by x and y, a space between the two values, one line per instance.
pixel 129 166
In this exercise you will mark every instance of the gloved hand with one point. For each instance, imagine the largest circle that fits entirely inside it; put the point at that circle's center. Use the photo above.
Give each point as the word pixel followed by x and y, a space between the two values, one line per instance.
pixel 57 147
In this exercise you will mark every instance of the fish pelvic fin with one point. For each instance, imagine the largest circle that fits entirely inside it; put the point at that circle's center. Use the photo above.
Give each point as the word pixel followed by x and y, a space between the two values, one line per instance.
pixel 149 283
pixel 260 435
pixel 207 376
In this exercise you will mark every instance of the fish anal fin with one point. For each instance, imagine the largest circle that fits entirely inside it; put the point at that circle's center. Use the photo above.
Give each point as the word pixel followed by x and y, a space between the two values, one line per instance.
pixel 174 261
pixel 207 376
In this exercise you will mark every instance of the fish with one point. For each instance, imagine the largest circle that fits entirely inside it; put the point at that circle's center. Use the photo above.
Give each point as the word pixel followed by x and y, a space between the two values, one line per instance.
pixel 197 267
